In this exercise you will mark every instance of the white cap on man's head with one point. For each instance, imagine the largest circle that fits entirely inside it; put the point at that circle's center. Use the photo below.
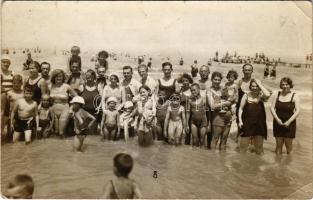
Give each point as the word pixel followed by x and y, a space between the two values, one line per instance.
pixel 5 57
pixel 78 99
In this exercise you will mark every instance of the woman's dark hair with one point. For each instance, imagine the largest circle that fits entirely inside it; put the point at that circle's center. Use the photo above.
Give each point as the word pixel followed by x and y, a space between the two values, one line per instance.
pixel 37 65
pixel 123 163
pixel 92 73
pixel 103 54
pixel 287 80
pixel 167 64
pixel 146 88
pixel 55 73
pixel 214 74
pixel 252 81
pixel 232 73
pixel 187 76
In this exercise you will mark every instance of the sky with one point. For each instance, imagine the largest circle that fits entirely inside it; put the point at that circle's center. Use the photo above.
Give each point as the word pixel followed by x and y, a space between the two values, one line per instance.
pixel 276 28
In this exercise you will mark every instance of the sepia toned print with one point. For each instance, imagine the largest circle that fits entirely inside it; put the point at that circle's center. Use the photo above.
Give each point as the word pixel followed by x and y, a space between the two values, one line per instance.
pixel 156 100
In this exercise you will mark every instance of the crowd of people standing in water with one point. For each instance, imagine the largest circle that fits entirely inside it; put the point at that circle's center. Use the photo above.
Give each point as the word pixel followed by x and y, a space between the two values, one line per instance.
pixel 183 111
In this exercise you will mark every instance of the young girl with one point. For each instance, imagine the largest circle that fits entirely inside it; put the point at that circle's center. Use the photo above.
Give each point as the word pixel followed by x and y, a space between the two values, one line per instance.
pixel 83 121
pixel 23 116
pixel 46 120
pixel 12 97
pixel 122 187
pixel 127 120
pixel 110 128
pixel 146 111
pixel 161 109
pixel 175 121
pixel 185 94
pixel 196 112
pixel 92 98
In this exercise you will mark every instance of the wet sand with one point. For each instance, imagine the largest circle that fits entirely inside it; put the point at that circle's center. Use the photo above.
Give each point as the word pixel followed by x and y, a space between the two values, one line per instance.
pixel 183 172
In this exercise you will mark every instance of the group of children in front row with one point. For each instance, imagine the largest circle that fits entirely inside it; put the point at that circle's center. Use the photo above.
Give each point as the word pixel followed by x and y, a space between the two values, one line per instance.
pixel 169 119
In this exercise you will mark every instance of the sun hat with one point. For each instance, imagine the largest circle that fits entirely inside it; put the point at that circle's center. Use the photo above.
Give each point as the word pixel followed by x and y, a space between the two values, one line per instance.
pixel 128 104
pixel 78 99
pixel 110 99
pixel 114 74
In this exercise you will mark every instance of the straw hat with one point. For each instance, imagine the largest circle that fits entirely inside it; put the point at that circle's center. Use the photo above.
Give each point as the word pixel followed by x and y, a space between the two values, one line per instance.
pixel 78 99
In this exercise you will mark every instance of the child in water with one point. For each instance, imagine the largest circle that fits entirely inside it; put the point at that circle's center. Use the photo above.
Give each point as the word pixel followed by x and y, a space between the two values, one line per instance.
pixel 23 116
pixel 46 120
pixel 12 97
pixel 196 112
pixel 83 121
pixel 21 187
pixel 122 187
pixel 175 120
pixel 110 128
pixel 127 120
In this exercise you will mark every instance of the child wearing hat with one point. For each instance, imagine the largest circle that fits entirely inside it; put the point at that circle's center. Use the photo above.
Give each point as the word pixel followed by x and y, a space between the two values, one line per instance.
pixel 127 120
pixel 83 121
pixel 110 120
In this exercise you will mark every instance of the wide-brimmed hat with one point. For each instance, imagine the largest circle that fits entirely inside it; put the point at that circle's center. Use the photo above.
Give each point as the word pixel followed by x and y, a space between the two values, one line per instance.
pixel 78 99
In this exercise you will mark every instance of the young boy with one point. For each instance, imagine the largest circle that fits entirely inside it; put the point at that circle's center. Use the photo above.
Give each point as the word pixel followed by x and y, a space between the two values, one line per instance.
pixel 110 120
pixel 46 120
pixel 161 110
pixel 23 116
pixel 196 112
pixel 122 187
pixel 83 121
pixel 175 120
pixel 127 120
pixel 21 187
pixel 12 97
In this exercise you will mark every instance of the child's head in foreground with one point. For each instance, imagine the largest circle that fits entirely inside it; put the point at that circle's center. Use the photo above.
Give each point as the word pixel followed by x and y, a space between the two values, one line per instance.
pixel 123 164
pixel 21 187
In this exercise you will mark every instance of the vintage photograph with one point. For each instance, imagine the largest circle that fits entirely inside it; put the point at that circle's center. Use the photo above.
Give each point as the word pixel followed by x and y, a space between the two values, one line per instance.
pixel 156 99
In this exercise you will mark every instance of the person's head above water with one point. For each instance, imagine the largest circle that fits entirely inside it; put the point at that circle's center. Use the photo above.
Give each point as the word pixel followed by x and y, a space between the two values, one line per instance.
pixel 21 187
pixel 123 164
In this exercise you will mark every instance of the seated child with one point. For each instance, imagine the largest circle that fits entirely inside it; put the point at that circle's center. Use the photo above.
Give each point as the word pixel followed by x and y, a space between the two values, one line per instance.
pixel 175 120
pixel 127 120
pixel 12 96
pixel 46 120
pixel 122 187
pixel 21 187
pixel 23 116
pixel 83 121
pixel 110 120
